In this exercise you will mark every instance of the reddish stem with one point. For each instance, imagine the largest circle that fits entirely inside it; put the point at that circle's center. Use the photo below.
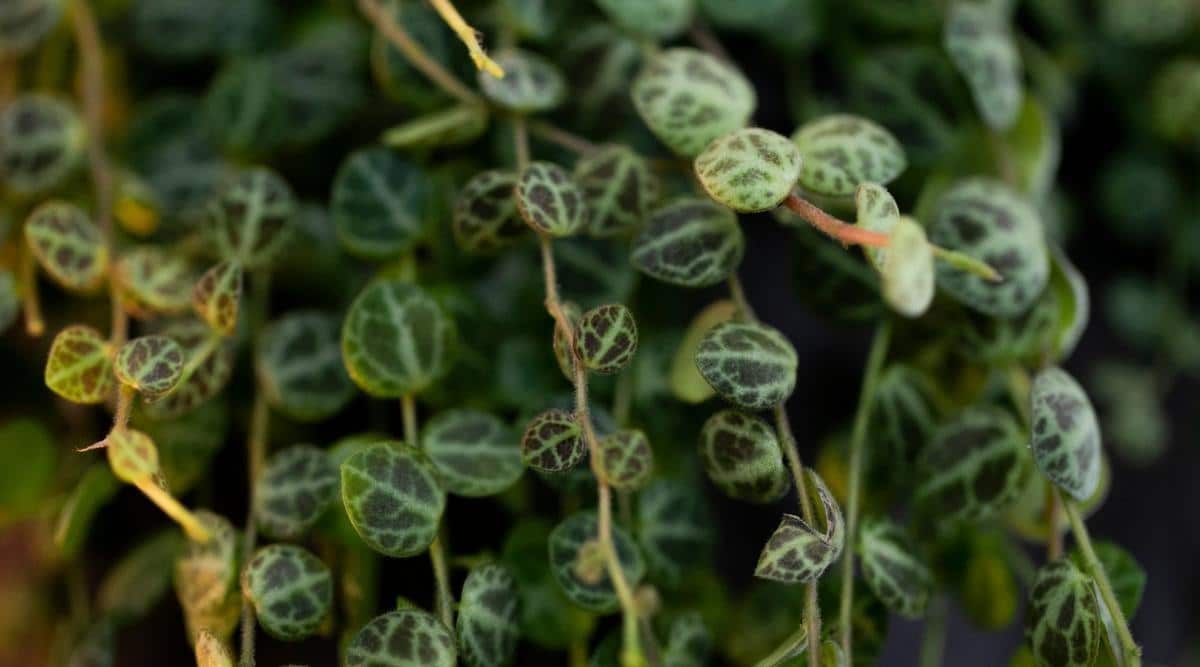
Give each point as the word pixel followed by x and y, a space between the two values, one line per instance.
pixel 845 232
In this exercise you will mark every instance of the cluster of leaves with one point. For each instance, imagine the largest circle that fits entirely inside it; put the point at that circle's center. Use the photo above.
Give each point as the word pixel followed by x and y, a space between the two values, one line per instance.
pixel 482 281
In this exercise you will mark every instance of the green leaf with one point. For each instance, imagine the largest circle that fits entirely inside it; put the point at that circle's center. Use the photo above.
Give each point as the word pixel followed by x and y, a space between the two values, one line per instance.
pixel 1063 623
pixel 628 459
pixel 27 24
pixel 42 140
pixel 907 269
pixel 294 489
pixel 150 364
pixel 299 366
pixel 656 20
pixel 578 563
pixel 749 364
pixel 291 590
pixel 393 498
pixel 797 552
pixel 840 152
pixel 689 242
pixel 980 43
pixel 212 652
pixel 741 455
pixel 485 212
pixel 1066 436
pixel 607 338
pixel 1127 578
pixel 675 530
pixel 67 245
pixel 379 201
pixel 550 201
pixel 217 297
pixel 991 222
pixel 251 217
pixel 553 442
pixel 90 493
pixel 487 620
pixel 904 416
pixel 687 384
pixel 407 638
pixel 877 211
pixel 206 579
pixel 79 366
pixel 688 98
pixel 154 281
pixel 547 617
pixel 749 170
pixel 140 579
pixel 28 457
pixel 396 339
pixel 455 126
pixel 893 569
pixel 989 591
pixel 974 467
pixel 689 643
pixel 619 189
pixel 475 454
pixel 206 381
pixel 10 300
pixel 531 84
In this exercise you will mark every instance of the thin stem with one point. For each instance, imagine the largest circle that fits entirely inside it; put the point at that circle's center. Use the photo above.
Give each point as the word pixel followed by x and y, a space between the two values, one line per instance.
pixel 31 302
pixel 408 408
pixel 174 509
pixel 788 649
pixel 521 142
pixel 1054 536
pixel 1129 648
pixel 703 37
pixel 124 403
pixel 843 232
pixel 558 135
pixel 469 37
pixel 256 454
pixel 10 75
pixel 444 599
pixel 858 446
pixel 420 59
pixel 933 643
pixel 119 320
pixel 965 262
pixel 91 55
pixel 812 611
pixel 739 297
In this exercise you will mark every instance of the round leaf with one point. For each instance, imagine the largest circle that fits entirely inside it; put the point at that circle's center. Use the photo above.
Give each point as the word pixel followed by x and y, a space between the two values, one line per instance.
pixel 251 217
pixel 841 151
pixel 67 245
pixel 531 83
pixel 742 457
pixel 475 454
pixel 154 281
pixel 217 296
pixel 907 270
pixel 299 366
pixel 675 529
pixel 653 19
pixel 628 459
pixel 406 638
pixel 485 212
pixel 749 170
pixel 379 200
pixel 892 568
pixel 688 98
pixel 751 365
pixel 1066 436
pixel 393 498
pixel 981 46
pixel 1063 624
pixel 619 188
pixel 41 142
pixel 689 242
pixel 294 489
pixel 396 339
pixel 79 367
pixel 553 442
pixel 150 364
pixel 132 456
pixel 798 553
pixel 550 201
pixel 578 563
pixel 487 617
pixel 607 338
pixel 291 590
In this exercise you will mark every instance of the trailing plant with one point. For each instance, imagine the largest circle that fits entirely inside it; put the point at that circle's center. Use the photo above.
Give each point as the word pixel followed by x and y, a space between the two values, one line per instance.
pixel 487 307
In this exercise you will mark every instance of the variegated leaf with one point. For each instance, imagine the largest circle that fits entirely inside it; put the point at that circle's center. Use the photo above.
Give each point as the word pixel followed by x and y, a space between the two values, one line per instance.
pixel 553 442
pixel 1066 436
pixel 628 459
pixel 981 45
pixel 675 529
pixel 217 296
pixel 689 642
pixel 379 202
pixel 392 496
pixel 406 638
pixel 67 245
pixel 132 456
pixel 741 455
pixel 150 364
pixel 485 212
pixel 550 201
pixel 79 367
pixel 1063 625
pixel 798 553
pixel 208 377
pixel 41 142
pixel 487 623
pixel 749 364
pixel 841 151
pixel 893 569
pixel 291 590
pixel 531 83
pixel 749 170
pixel 299 366
pixel 606 338
pixel 154 281
pixel 252 217
pixel 619 189
pixel 578 563
pixel 878 212
pixel 475 453
pixel 689 242
pixel 294 489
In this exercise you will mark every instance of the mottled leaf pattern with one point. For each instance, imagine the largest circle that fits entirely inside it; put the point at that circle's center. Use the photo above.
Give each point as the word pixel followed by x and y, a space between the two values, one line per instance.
pixel 79 366
pixel 606 338
pixel 150 364
pixel 132 456
pixel 531 83
pixel 991 222
pixel 251 217
pixel 299 366
pixel 212 652
pixel 487 617
pixel 907 269
pixel 485 212
pixel 297 485
pixel 689 642
pixel 41 142
pixel 981 45
pixel 675 529
pixel 206 579
pixel 1066 435
pixel 393 498
pixel 688 98
pixel 475 453
pixel 628 459
pixel 406 638
pixel 749 170
pixel 840 152
pixel 689 242
pixel 67 245
pixel 797 552
pixel 550 201
pixel 974 467
pixel 653 19
pixel 378 202
pixel 686 382
pixel 553 442
pixel 217 296
pixel 396 339
pixel 619 189
pixel 878 212
pixel 154 281
pixel 904 415
pixel 1063 625
pixel 749 364
pixel 578 565
pixel 893 569
pixel 291 590
pixel 207 380
pixel 742 457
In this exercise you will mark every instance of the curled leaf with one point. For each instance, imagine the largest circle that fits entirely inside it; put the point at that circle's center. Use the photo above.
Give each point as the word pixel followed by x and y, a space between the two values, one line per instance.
pixel 1066 436
pixel 217 297
pixel 798 553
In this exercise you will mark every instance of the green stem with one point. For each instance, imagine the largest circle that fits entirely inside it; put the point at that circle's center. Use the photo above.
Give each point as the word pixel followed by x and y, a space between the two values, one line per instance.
pixel 858 445
pixel 933 643
pixel 443 600
pixel 791 647
pixel 812 611
pixel 1128 647
pixel 408 408
pixel 256 454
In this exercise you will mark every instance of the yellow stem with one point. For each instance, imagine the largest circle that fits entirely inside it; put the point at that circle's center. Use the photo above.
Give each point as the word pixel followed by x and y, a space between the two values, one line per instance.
pixel 31 300
pixel 469 37
pixel 172 508
pixel 416 55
